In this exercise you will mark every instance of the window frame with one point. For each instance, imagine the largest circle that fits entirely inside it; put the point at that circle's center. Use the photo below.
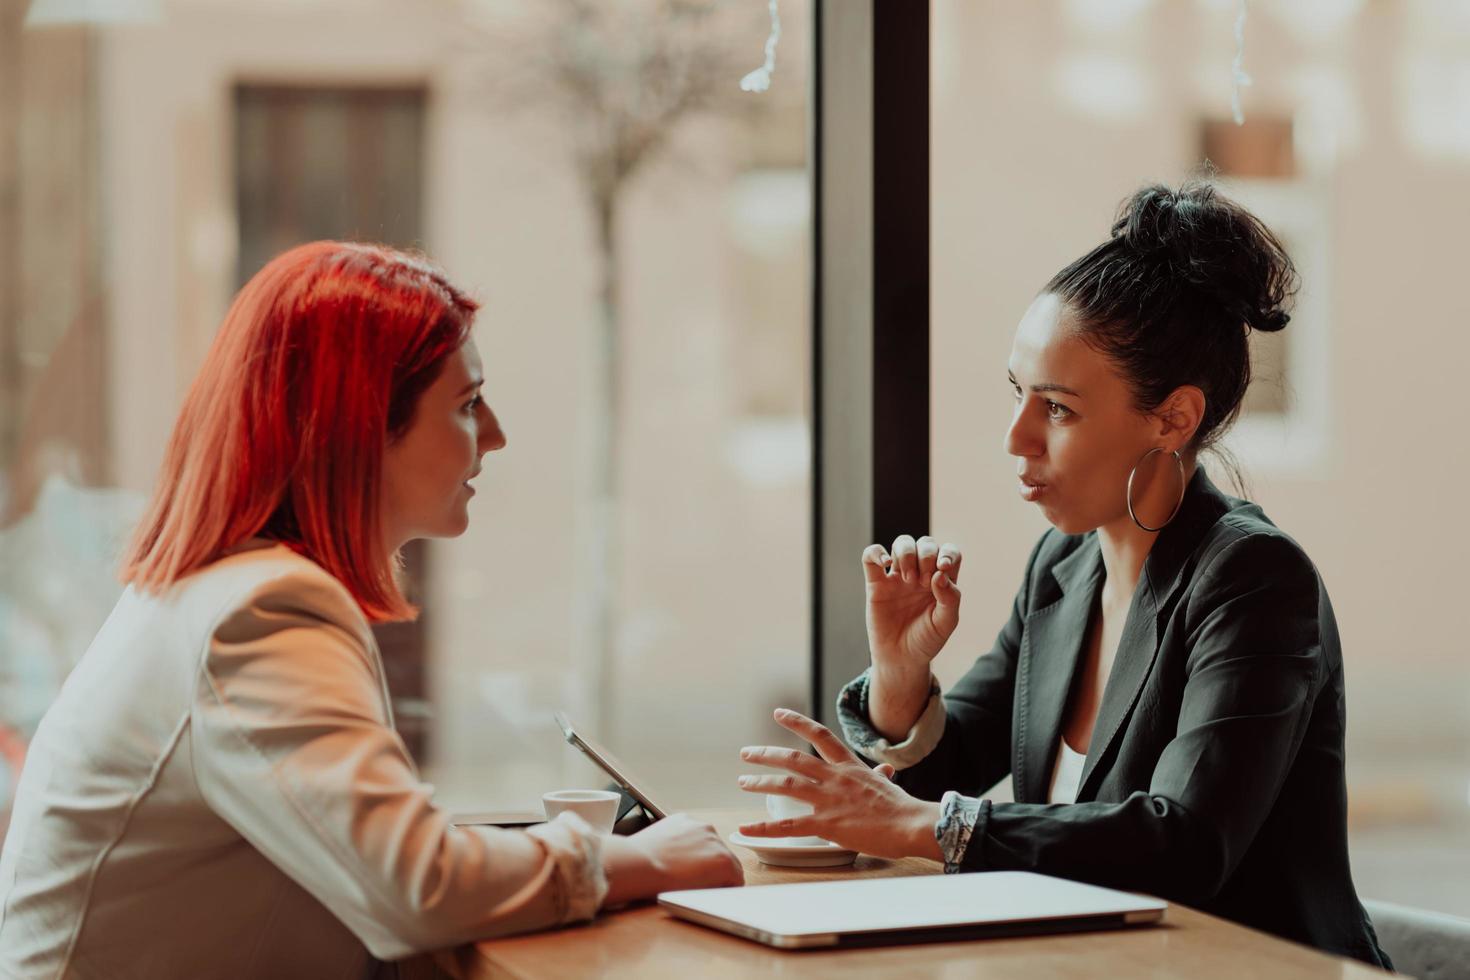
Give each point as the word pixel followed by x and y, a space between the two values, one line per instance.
pixel 869 164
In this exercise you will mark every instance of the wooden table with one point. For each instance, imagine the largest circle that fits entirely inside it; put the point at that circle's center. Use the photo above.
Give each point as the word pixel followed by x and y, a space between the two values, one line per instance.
pixel 646 941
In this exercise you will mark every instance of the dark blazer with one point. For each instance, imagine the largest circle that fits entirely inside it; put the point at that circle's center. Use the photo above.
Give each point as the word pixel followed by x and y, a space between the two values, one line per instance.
pixel 1214 777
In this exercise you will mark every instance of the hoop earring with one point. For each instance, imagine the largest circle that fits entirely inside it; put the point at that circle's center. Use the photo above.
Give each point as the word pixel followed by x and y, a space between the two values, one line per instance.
pixel 1182 487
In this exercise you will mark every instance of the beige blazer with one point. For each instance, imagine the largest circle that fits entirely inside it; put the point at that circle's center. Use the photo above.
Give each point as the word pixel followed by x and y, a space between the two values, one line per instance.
pixel 218 791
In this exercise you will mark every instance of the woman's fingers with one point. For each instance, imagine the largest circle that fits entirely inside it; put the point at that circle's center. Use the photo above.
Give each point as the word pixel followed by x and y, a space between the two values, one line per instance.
pixel 906 558
pixel 885 770
pixel 946 603
pixel 778 758
pixel 942 582
pixel 913 561
pixel 790 827
pixel 928 552
pixel 793 786
pixel 949 561
pixel 875 563
pixel 828 746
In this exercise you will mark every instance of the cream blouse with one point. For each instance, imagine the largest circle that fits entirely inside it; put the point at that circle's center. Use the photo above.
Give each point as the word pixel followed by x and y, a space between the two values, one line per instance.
pixel 1066 774
pixel 218 791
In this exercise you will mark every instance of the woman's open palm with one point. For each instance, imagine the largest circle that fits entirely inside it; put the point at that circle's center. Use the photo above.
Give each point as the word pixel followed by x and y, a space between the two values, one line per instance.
pixel 913 602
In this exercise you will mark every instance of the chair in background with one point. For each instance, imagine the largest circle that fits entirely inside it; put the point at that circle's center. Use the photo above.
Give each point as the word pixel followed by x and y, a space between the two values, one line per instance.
pixel 1423 944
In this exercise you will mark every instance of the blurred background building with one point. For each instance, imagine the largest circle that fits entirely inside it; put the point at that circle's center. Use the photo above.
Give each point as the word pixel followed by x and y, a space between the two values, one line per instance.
pixel 638 230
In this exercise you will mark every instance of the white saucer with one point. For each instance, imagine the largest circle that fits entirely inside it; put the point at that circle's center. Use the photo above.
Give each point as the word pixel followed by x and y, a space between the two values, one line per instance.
pixel 778 851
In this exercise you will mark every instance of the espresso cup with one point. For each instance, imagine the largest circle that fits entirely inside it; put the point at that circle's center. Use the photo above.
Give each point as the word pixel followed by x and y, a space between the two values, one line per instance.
pixel 783 808
pixel 598 807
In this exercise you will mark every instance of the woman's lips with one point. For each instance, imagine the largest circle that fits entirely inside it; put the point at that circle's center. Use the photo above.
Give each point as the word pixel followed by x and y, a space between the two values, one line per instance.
pixel 1031 492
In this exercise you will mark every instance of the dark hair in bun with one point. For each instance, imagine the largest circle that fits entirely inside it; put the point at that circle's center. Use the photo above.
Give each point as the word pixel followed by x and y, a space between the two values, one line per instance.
pixel 1173 293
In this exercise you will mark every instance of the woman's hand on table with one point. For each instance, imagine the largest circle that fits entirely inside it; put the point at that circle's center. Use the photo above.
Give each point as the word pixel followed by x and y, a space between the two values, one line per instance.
pixel 852 806
pixel 676 852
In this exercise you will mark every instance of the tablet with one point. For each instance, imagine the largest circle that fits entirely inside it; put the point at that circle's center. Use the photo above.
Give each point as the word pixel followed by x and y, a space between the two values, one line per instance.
pixel 603 759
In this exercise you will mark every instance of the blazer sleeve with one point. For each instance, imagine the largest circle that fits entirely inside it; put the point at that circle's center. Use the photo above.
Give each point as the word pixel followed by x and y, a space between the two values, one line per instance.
pixel 292 746
pixel 974 751
pixel 1252 671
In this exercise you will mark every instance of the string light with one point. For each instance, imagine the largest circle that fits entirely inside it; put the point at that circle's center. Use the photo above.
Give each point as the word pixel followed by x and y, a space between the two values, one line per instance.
pixel 1240 78
pixel 760 79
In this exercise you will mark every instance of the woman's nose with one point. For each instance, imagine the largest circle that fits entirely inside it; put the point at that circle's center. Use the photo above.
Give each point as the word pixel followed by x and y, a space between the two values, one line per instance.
pixel 492 436
pixel 1020 439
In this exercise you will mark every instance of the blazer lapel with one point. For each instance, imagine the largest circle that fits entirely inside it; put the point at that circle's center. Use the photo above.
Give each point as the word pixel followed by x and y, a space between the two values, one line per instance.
pixel 1051 647
pixel 1138 647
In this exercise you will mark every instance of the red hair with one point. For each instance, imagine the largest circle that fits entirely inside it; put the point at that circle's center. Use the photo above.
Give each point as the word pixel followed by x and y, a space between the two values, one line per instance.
pixel 320 361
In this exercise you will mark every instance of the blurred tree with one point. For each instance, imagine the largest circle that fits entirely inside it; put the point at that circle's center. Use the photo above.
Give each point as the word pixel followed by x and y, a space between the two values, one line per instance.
pixel 622 77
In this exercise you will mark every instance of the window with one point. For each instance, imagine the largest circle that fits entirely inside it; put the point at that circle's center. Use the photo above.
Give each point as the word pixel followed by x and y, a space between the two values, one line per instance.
pixel 644 328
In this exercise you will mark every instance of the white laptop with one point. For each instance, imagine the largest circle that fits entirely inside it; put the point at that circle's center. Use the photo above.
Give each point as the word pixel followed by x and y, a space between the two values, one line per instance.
pixel 926 908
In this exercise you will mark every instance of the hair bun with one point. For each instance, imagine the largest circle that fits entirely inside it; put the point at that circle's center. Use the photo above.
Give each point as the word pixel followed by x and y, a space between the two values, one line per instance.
pixel 1208 242
pixel 1148 223
pixel 1271 322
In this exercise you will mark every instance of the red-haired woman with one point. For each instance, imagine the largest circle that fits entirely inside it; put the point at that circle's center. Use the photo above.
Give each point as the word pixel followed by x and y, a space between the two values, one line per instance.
pixel 218 790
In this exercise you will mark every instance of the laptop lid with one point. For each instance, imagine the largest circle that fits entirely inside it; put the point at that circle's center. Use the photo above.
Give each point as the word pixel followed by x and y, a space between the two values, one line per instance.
pixel 880 911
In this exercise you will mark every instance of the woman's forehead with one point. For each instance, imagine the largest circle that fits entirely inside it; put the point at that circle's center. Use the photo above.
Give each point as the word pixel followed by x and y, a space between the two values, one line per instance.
pixel 1048 350
pixel 463 365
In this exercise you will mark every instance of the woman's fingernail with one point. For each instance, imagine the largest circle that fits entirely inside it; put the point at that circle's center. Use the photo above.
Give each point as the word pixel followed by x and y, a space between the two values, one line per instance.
pixel 747 752
pixel 746 780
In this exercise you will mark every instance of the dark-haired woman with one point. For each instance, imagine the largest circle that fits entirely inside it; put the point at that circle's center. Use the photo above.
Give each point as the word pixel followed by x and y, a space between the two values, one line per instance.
pixel 1167 695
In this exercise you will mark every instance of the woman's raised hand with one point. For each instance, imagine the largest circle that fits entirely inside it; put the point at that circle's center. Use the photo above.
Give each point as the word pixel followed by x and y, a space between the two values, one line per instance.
pixel 913 601
pixel 852 806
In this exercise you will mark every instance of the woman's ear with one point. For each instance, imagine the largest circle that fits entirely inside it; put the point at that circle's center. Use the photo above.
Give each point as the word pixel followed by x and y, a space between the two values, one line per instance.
pixel 1179 417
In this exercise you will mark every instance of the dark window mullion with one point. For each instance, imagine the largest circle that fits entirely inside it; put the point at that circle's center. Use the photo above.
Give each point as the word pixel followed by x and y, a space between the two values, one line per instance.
pixel 870 305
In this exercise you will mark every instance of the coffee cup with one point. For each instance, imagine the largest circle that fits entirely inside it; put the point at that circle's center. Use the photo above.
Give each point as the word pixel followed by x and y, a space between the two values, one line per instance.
pixel 598 807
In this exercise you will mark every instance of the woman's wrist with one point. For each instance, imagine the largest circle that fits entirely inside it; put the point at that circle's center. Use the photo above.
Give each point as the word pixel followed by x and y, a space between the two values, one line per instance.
pixel 901 676
pixel 631 873
pixel 923 841
pixel 897 696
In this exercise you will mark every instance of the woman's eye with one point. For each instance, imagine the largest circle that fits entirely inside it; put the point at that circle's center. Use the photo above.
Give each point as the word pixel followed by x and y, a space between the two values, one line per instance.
pixel 473 404
pixel 1018 392
pixel 1057 411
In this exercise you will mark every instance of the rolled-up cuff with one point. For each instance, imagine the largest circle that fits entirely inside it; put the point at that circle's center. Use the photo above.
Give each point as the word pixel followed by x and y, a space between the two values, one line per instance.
pixel 576 850
pixel 958 816
pixel 857 728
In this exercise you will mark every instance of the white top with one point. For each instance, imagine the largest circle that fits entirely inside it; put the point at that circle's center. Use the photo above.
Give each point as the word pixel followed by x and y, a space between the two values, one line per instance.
pixel 1066 775
pixel 218 791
